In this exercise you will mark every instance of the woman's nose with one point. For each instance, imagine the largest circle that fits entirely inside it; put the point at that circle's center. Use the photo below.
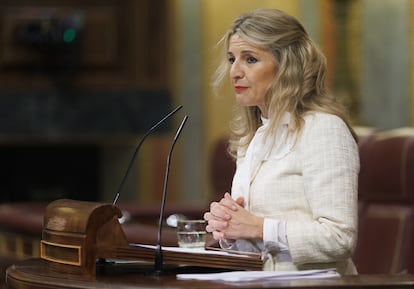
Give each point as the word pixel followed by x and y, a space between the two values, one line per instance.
pixel 235 71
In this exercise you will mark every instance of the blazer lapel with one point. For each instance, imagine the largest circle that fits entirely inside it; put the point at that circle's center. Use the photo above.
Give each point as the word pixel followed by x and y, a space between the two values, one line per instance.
pixel 255 169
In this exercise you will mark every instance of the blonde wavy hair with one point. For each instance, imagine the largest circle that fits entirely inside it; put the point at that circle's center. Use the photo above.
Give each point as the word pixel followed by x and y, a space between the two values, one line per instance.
pixel 299 84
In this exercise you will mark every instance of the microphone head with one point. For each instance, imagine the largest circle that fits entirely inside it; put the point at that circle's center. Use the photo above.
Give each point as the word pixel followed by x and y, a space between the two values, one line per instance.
pixel 139 146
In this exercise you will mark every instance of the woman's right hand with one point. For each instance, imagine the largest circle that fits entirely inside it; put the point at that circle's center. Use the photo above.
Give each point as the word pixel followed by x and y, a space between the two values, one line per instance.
pixel 219 215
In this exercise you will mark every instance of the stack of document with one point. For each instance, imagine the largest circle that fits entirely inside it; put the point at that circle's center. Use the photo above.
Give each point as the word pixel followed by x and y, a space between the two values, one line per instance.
pixel 243 276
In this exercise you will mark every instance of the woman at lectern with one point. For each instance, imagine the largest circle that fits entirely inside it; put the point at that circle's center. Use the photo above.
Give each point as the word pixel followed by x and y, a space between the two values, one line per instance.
pixel 294 193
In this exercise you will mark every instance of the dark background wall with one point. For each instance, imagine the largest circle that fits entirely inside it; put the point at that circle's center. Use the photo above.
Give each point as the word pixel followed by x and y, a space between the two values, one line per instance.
pixel 78 81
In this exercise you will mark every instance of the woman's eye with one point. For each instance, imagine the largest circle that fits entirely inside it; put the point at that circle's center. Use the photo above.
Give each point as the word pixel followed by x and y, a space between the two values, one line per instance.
pixel 251 59
pixel 231 60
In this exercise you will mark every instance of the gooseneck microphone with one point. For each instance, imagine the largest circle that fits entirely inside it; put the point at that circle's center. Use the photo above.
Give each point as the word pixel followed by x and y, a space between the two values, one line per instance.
pixel 137 149
pixel 158 263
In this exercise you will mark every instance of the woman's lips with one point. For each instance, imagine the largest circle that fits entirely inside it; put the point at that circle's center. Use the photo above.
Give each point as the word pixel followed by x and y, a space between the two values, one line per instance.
pixel 239 89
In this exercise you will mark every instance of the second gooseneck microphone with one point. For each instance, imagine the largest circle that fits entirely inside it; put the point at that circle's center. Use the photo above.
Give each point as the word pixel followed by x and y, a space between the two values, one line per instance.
pixel 158 258
pixel 137 149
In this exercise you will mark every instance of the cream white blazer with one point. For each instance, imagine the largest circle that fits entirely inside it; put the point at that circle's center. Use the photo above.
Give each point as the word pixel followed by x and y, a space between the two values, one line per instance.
pixel 312 186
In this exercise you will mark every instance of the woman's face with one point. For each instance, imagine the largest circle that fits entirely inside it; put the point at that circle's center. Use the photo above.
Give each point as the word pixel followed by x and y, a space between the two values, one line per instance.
pixel 252 71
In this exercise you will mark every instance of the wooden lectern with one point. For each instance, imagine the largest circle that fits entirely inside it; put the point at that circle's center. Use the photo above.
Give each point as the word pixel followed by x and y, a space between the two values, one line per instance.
pixel 77 233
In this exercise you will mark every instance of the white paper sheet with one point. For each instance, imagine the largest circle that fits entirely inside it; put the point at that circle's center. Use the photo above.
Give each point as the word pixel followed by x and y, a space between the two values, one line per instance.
pixel 198 251
pixel 244 276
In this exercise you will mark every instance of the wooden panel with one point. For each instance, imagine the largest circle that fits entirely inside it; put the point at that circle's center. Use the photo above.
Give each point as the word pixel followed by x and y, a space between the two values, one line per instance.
pixel 99 46
pixel 122 44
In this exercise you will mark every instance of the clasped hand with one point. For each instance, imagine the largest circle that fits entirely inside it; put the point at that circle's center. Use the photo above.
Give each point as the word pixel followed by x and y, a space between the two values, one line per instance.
pixel 228 219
